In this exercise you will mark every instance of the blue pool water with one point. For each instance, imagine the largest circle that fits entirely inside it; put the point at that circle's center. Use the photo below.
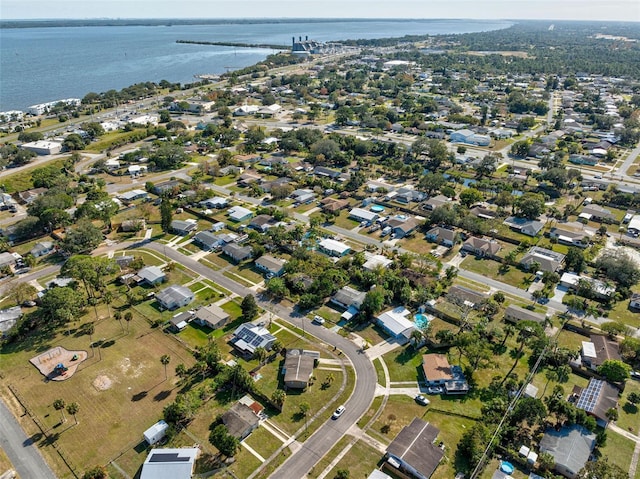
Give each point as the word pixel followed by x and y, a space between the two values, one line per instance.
pixel 506 467
pixel 421 320
pixel 377 208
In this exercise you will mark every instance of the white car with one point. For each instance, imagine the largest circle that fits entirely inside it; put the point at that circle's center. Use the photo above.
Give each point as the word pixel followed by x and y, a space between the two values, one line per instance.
pixel 420 399
pixel 318 319
pixel 338 412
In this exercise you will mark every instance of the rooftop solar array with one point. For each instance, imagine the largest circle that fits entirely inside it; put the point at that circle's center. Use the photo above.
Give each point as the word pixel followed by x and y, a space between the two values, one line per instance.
pixel 589 397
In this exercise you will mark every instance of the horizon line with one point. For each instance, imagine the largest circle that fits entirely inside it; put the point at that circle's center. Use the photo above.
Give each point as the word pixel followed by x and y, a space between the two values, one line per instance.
pixel 311 18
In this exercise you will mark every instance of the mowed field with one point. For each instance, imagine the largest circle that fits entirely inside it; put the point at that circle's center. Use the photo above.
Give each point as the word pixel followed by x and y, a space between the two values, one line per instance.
pixel 120 389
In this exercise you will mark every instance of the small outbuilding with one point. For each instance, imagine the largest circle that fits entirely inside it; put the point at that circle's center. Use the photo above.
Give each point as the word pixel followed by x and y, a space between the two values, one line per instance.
pixel 156 433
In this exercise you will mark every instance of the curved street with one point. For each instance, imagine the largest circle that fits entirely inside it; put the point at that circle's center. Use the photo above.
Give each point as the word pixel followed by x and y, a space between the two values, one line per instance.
pixel 319 444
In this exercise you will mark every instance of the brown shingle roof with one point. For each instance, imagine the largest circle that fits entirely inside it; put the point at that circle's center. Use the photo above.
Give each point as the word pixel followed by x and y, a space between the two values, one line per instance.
pixel 436 367
pixel 414 446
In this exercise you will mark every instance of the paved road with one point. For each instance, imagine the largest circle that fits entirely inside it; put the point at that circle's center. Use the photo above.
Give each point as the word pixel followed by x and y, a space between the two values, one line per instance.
pixel 319 444
pixel 23 453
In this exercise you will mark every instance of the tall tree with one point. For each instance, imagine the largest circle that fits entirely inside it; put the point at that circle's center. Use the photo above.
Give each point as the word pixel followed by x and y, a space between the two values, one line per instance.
pixel 165 359
pixel 166 214
pixel 59 405
pixel 249 308
pixel 73 409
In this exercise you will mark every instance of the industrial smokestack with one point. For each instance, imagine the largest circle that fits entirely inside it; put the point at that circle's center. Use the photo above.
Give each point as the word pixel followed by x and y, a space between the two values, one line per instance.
pixel 306 38
pixel 300 38
pixel 293 41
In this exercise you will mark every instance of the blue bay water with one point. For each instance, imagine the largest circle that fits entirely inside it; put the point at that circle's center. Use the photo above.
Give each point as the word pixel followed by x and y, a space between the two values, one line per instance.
pixel 46 64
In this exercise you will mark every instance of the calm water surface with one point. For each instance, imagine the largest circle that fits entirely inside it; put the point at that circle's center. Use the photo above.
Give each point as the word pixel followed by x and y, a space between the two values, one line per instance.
pixel 46 64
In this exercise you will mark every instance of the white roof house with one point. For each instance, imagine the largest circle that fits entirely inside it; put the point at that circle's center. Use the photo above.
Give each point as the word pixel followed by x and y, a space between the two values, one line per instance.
pixel 396 322
pixel 333 247
pixel 43 147
pixel 634 224
pixel 133 195
pixel 361 214
pixel 170 463
pixel 239 213
pixel 374 261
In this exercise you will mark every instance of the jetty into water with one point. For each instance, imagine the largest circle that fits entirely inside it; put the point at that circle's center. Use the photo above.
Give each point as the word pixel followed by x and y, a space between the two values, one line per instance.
pixel 237 45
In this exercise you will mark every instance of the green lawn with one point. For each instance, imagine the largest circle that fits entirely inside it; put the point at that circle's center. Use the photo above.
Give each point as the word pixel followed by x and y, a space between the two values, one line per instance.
pixel 195 335
pixel 263 442
pixel 618 450
pixel 359 461
pixel 233 309
pixel 491 269
pixel 629 417
pixel 114 412
pixel 404 364
pixel 21 180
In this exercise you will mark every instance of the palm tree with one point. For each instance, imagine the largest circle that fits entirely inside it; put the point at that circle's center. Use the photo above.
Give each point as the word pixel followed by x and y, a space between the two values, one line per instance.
pixel 165 359
pixel 128 317
pixel 260 354
pixel 278 397
pixel 73 409
pixel 59 405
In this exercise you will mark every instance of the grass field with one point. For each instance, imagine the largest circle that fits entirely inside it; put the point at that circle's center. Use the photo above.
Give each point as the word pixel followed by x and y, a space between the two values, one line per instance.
pixel 618 450
pixel 359 461
pixel 21 180
pixel 491 269
pixel 120 389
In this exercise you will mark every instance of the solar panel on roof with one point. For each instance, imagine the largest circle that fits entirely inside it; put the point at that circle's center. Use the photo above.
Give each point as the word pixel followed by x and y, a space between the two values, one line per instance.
pixel 256 341
pixel 168 457
pixel 589 397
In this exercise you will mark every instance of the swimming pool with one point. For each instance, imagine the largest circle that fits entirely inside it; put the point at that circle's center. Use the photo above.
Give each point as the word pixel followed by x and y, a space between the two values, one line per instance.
pixel 506 467
pixel 377 208
pixel 421 320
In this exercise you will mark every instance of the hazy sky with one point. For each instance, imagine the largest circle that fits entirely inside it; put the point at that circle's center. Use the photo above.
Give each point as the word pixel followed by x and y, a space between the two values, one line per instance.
pixel 627 10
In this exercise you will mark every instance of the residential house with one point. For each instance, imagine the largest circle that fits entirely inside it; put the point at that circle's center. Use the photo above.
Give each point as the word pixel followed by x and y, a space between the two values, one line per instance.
pixel 170 463
pixel 524 225
pixel 349 299
pixel 546 260
pixel 569 237
pixel 246 178
pixel 466 296
pixel 236 252
pixel 217 202
pixel 239 213
pixel 123 261
pixel 402 226
pixel 180 321
pixel 218 226
pixel 469 137
pixel 245 110
pixel 27 197
pixel 326 172
pixel 484 213
pixel 439 373
pixel 230 170
pixel 538 150
pixel 298 368
pixel 270 265
pixel 375 261
pixel 413 452
pixel 435 202
pixel 332 247
pixel 42 248
pixel 151 275
pixel 482 247
pixel 183 228
pixel 249 336
pixel 571 447
pixel 515 314
pixel 332 205
pixel 133 195
pixel 598 288
pixel 360 214
pixel 262 223
pixel 593 212
pixel 599 350
pixel 396 323
pixel 583 160
pixel 212 316
pixel 442 236
pixel 240 421
pixel 7 260
pixel 207 240
pixel 409 195
pixel 303 196
pixel 166 186
pixel 174 297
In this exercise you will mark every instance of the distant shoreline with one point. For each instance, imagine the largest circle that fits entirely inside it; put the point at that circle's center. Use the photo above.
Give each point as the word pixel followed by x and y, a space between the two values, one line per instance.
pixel 160 22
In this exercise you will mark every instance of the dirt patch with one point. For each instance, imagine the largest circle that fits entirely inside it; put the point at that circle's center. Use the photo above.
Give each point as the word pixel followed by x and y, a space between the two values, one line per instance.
pixel 48 363
pixel 102 383
pixel 129 369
